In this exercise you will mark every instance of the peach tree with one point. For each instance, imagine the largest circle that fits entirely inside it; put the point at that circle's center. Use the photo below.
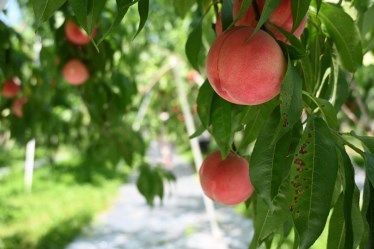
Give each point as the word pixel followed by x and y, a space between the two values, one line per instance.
pixel 288 87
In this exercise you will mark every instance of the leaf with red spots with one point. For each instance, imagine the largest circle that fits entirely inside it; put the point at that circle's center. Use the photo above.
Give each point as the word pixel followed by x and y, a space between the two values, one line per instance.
pixel 312 181
pixel 290 100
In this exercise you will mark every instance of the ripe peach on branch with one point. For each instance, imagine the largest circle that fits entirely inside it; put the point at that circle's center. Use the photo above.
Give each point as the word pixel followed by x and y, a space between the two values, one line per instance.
pixel 226 181
pixel 76 35
pixel 11 87
pixel 246 71
pixel 281 17
pixel 75 72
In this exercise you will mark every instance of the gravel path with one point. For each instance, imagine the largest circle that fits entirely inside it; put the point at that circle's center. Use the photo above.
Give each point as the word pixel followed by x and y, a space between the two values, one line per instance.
pixel 179 223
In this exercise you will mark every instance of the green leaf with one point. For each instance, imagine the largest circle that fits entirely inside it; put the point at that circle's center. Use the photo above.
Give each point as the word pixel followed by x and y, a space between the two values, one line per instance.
pixel 369 212
pixel 358 225
pixel 246 4
pixel 268 9
pixel 328 112
pixel 150 183
pixel 80 9
pixel 221 124
pixel 368 144
pixel 345 35
pixel 278 213
pixel 346 168
pixel 268 161
pixel 290 100
pixel 299 10
pixel 193 46
pixel 122 8
pixel 313 174
pixel 367 141
pixel 198 132
pixel 226 13
pixel 44 9
pixel 94 14
pixel 337 228
pixel 254 120
pixel 261 212
pixel 143 9
pixel 342 91
pixel 204 103
pixel 182 7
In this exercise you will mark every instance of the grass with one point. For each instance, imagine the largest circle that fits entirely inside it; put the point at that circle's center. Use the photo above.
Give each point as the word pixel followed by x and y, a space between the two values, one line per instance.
pixel 65 197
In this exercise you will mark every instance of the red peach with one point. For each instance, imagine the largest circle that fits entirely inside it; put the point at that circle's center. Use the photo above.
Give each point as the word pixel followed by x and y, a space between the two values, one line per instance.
pixel 17 106
pixel 76 35
pixel 281 17
pixel 11 87
pixel 246 72
pixel 75 72
pixel 226 181
pixel 249 18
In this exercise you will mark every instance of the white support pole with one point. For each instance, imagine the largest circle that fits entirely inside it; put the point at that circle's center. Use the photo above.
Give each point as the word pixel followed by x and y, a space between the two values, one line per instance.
pixel 196 151
pixel 29 164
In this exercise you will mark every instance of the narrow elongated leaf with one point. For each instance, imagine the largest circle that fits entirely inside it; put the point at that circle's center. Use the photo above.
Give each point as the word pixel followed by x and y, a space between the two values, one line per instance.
pixel 370 214
pixel 261 212
pixel 268 9
pixel 255 118
pixel 268 161
pixel 94 14
pixel 367 141
pixel 200 130
pixel 150 184
pixel 143 9
pixel 342 91
pixel 348 190
pixel 299 10
pixel 204 103
pixel 44 9
pixel 122 8
pixel 358 225
pixel 243 9
pixel 80 9
pixel 194 45
pixel 290 100
pixel 221 124
pixel 337 227
pixel 226 13
pixel 345 35
pixel 312 176
pixel 328 112
pixel 278 213
pixel 368 144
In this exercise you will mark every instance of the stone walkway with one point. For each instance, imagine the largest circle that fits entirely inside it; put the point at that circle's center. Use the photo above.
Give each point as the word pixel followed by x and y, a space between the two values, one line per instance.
pixel 179 223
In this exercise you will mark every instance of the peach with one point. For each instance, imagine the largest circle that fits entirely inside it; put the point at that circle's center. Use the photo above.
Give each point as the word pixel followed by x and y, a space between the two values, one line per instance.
pixel 281 17
pixel 246 72
pixel 75 72
pixel 249 18
pixel 17 106
pixel 76 35
pixel 226 181
pixel 11 87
